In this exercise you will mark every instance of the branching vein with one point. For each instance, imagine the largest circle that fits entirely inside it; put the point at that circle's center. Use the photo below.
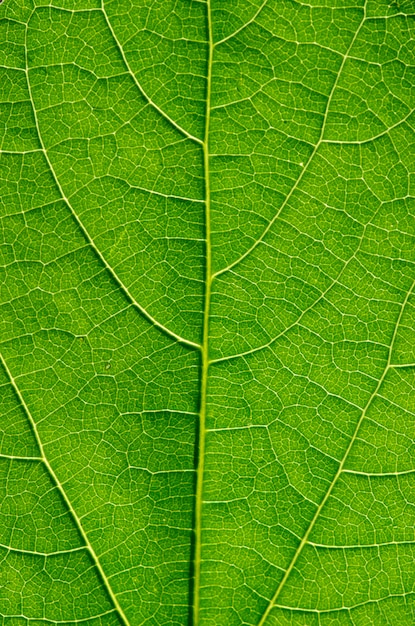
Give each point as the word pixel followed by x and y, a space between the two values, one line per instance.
pixel 340 469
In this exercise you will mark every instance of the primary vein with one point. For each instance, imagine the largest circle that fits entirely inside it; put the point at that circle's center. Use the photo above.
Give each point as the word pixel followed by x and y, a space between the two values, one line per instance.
pixel 205 340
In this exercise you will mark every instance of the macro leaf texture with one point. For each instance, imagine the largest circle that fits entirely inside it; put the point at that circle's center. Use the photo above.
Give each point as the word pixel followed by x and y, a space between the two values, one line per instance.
pixel 207 365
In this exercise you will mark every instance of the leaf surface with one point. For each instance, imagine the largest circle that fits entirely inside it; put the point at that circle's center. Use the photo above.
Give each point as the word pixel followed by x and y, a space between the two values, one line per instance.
pixel 207 366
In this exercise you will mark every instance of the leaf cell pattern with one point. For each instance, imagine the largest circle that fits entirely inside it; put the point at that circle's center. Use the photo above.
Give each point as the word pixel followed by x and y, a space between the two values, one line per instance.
pixel 207 366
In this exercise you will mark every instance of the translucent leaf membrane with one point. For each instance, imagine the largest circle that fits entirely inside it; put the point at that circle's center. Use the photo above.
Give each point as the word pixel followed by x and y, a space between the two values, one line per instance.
pixel 207 297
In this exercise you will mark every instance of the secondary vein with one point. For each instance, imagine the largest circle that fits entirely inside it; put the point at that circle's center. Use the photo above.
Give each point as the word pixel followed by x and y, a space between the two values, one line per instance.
pixel 57 483
pixel 307 164
pixel 167 331
pixel 182 130
pixel 340 469
pixel 72 512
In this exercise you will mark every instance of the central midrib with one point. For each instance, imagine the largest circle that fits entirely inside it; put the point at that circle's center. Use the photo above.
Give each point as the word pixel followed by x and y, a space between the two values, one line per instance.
pixel 209 277
pixel 205 338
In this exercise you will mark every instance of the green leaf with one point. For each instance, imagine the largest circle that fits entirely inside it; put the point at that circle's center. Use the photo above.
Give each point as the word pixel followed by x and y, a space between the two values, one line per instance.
pixel 207 319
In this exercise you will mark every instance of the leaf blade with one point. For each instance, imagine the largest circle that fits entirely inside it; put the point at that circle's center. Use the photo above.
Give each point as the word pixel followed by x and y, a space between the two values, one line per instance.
pixel 208 308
